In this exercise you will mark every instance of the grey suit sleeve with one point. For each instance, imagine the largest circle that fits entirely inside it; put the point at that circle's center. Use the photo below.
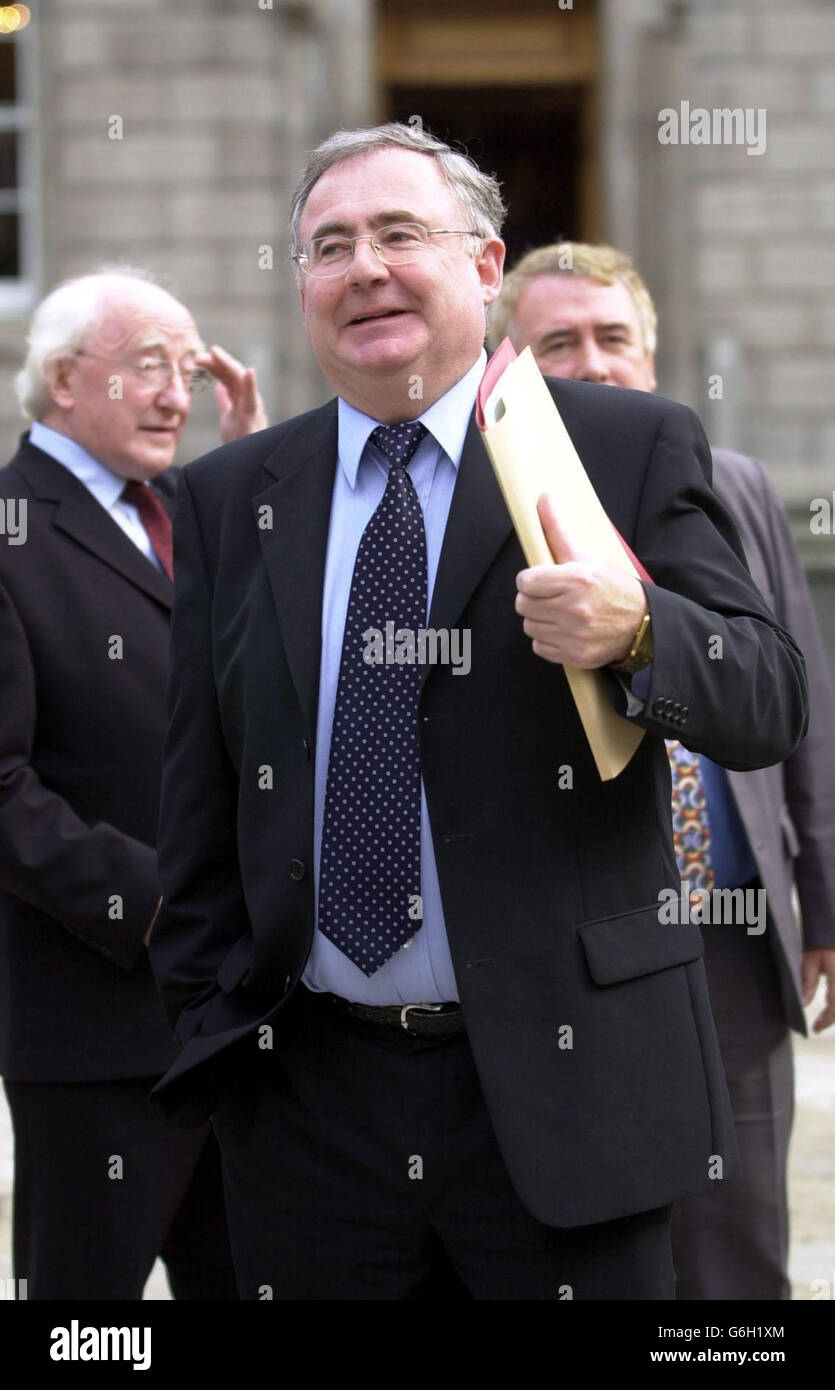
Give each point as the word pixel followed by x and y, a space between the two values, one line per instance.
pixel 725 678
pixel 809 772
pixel 49 856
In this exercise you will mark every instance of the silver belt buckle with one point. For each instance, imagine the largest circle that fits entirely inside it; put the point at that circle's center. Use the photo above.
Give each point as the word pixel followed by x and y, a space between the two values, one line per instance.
pixel 433 1008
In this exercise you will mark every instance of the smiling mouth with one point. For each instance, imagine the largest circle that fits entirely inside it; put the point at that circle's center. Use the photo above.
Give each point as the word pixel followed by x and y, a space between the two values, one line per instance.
pixel 370 318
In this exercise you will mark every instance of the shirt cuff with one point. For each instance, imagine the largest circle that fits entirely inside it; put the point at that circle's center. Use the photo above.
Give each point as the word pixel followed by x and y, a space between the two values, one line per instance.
pixel 635 686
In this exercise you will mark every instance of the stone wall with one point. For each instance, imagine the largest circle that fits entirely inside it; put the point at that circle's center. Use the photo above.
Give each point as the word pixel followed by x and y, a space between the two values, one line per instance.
pixel 218 103
pixel 738 248
pixel 220 99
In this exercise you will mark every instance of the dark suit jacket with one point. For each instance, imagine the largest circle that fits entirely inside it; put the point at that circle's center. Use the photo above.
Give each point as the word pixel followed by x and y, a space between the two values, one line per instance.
pixel 550 895
pixel 80 751
pixel 788 810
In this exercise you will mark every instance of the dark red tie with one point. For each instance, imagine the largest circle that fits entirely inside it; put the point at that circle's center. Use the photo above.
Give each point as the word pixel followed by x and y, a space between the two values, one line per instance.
pixel 156 521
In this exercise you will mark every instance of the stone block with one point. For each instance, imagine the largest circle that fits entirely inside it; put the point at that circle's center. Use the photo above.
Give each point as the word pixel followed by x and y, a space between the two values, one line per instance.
pixel 803 381
pixel 724 268
pixel 796 31
pixel 751 206
pixel 711 32
pixel 139 158
pixel 745 82
pixel 806 263
pixel 90 100
pixel 249 215
pixel 797 146
pixel 823 89
pixel 218 94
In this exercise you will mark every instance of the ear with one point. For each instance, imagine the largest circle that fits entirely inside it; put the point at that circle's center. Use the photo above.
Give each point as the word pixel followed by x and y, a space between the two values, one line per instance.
pixel 58 379
pixel 653 384
pixel 488 266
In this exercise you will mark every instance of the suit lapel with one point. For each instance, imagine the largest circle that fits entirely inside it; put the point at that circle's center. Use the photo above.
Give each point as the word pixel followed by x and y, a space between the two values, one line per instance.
pixel 478 526
pixel 80 516
pixel 294 536
pixel 294 545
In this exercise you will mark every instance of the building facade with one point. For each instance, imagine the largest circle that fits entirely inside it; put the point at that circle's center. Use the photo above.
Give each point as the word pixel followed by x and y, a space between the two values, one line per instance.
pixel 170 134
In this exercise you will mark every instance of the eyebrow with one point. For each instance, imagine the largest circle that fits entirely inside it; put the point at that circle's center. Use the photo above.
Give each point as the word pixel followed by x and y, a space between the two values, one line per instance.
pixel 154 345
pixel 380 219
pixel 570 329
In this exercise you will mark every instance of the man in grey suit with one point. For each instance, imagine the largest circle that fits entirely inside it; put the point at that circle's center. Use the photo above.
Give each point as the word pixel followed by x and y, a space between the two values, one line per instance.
pixel 587 315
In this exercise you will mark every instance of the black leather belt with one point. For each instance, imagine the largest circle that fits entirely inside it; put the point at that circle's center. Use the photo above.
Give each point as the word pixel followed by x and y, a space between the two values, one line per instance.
pixel 422 1020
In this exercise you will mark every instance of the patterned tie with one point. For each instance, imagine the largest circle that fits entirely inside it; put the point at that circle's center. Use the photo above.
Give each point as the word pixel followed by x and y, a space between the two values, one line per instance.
pixel 370 857
pixel 156 521
pixel 691 827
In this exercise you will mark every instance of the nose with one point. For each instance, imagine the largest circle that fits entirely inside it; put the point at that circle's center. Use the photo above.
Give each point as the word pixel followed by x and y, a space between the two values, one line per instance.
pixel 590 363
pixel 175 394
pixel 365 267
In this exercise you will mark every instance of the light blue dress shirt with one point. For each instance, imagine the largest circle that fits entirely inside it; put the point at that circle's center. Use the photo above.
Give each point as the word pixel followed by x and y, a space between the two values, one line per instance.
pixel 105 486
pixel 420 972
pixel 731 856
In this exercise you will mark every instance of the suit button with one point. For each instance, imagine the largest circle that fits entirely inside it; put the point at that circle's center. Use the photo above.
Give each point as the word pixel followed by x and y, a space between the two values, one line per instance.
pixel 658 705
pixel 676 710
pixel 306 747
pixel 297 870
pixel 685 710
pixel 668 708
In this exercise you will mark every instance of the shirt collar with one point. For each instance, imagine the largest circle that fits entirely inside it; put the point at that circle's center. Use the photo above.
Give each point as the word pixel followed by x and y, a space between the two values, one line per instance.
pixel 105 486
pixel 446 420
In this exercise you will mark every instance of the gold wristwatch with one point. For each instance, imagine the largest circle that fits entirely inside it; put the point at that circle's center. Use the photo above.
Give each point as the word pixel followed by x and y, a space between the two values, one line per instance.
pixel 641 652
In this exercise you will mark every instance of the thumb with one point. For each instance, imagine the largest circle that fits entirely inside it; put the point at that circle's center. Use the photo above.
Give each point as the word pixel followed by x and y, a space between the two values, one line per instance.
pixel 559 539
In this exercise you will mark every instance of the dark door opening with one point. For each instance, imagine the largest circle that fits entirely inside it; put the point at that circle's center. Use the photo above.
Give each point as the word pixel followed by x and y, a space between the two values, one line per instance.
pixel 530 137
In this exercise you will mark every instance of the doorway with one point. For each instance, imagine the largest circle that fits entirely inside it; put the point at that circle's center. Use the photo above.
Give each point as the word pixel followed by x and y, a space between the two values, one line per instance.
pixel 516 90
pixel 529 137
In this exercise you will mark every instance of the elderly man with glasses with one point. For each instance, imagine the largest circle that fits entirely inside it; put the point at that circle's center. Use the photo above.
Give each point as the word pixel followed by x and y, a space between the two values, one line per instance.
pixel 421 985
pixel 102 1185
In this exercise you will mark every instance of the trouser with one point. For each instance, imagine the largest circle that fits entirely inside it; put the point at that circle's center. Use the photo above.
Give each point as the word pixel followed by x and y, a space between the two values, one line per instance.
pixel 103 1186
pixel 350 1154
pixel 733 1243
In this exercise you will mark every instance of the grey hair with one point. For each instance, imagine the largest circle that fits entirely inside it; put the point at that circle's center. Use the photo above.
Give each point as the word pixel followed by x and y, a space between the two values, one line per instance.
pixel 479 195
pixel 58 325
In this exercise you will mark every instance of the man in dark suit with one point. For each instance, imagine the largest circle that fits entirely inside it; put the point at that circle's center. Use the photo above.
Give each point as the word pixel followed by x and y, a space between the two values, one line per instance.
pixel 102 1185
pixel 587 315
pixel 411 943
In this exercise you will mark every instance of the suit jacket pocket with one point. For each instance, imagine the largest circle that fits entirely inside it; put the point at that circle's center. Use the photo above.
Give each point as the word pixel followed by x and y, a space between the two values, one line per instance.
pixel 631 944
pixel 235 964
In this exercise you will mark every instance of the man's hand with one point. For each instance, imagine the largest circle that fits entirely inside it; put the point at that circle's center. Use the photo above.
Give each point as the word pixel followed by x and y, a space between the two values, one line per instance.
pixel 815 964
pixel 237 398
pixel 579 611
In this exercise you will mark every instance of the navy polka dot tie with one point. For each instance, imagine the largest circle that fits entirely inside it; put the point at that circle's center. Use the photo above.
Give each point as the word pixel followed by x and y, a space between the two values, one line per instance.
pixel 369 875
